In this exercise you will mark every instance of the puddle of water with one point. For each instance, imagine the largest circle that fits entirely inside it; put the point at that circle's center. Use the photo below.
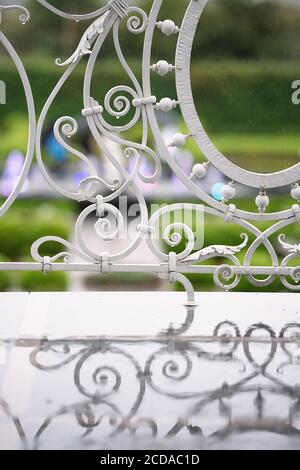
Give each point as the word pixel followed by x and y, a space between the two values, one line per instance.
pixel 171 391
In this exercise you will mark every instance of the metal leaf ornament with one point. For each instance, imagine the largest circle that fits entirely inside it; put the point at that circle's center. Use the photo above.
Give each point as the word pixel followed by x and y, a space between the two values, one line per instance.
pixel 218 250
pixel 287 246
pixel 86 42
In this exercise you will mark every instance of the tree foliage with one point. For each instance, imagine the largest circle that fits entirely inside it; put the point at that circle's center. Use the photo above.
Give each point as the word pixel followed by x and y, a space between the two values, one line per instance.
pixel 228 28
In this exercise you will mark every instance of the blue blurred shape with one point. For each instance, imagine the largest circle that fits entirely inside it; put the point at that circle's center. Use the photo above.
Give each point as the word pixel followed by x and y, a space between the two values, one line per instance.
pixel 216 191
pixel 55 150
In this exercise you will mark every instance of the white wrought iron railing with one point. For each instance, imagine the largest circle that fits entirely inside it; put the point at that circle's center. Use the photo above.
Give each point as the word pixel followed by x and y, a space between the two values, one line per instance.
pixel 139 105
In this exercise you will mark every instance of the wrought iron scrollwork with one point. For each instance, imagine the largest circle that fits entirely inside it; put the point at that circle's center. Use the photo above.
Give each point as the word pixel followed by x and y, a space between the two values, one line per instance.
pixel 109 119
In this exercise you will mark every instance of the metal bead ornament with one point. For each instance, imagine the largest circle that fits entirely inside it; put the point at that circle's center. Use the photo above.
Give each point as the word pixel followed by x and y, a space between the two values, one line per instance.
pixel 162 67
pixel 228 191
pixel 262 201
pixel 199 170
pixel 179 140
pixel 166 105
pixel 295 192
pixel 168 27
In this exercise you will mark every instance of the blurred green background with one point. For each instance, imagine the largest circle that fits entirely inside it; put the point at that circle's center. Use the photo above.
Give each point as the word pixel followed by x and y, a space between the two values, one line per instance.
pixel 246 56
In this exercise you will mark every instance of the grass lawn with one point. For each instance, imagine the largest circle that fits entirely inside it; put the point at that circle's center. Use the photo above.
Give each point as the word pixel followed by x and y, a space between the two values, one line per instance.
pixel 257 152
pixel 275 144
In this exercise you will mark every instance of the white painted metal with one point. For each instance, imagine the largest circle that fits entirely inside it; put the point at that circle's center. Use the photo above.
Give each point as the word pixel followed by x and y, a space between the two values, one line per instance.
pixel 185 95
pixel 137 103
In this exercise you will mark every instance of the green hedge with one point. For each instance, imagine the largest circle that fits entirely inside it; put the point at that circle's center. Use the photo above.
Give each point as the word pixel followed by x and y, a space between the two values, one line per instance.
pixel 122 281
pixel 24 223
pixel 231 96
pixel 5 276
pixel 241 28
pixel 38 282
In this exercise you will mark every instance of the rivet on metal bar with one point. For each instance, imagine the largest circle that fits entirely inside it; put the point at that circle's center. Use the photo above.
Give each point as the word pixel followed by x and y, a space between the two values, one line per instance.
pixel 94 110
pixel 191 304
pixel 145 228
pixel 44 342
pixel 104 263
pixel 100 206
pixel 296 210
pixel 46 267
pixel 102 346
pixel 230 213
pixel 172 266
pixel 137 102
pixel 171 344
pixel 120 7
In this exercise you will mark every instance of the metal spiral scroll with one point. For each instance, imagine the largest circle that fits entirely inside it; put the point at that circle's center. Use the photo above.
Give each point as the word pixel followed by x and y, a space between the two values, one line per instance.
pixel 123 108
pixel 107 381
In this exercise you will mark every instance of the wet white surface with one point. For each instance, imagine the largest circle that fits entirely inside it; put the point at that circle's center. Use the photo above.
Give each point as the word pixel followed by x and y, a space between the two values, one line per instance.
pixel 104 363
pixel 137 313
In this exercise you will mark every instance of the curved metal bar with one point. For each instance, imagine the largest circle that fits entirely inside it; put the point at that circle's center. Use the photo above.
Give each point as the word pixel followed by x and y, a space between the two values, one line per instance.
pixel 163 149
pixel 98 138
pixel 16 421
pixel 72 16
pixel 31 116
pixel 24 15
pixel 196 129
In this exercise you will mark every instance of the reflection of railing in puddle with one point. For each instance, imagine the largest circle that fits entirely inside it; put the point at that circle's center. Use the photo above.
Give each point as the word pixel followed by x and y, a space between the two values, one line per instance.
pixel 165 371
pixel 16 421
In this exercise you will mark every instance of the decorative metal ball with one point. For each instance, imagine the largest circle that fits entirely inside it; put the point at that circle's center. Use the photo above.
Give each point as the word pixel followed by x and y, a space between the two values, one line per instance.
pixel 228 191
pixel 262 201
pixel 295 192
pixel 166 105
pixel 168 27
pixel 178 140
pixel 162 67
pixel 199 170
